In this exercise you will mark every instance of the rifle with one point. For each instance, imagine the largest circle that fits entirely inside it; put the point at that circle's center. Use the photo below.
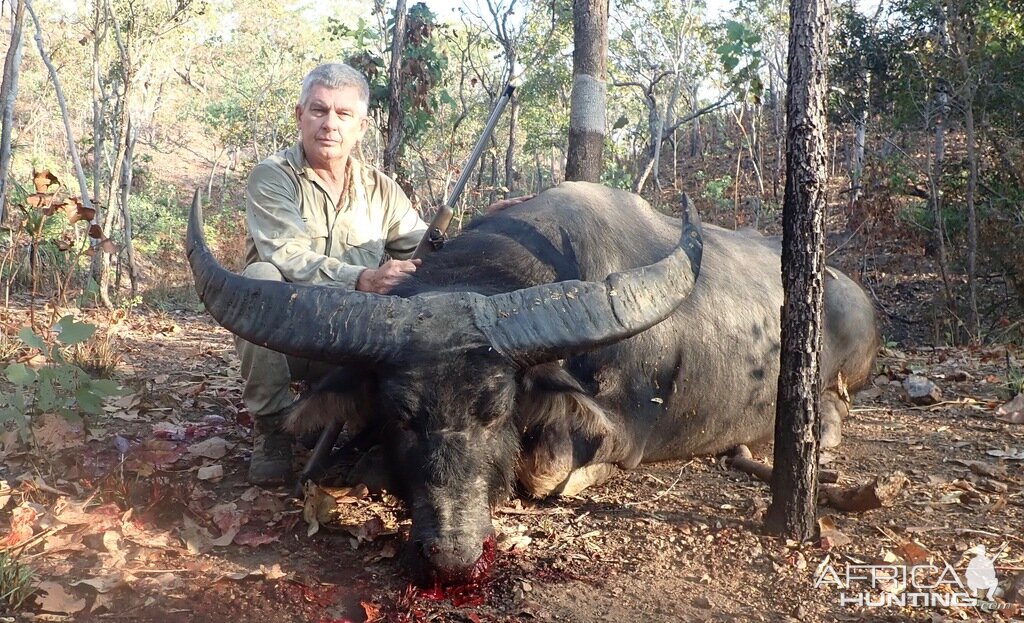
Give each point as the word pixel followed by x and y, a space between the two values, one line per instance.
pixel 434 238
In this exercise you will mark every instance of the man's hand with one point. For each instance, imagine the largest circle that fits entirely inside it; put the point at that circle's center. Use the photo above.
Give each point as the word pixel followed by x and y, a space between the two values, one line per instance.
pixel 390 273
pixel 501 204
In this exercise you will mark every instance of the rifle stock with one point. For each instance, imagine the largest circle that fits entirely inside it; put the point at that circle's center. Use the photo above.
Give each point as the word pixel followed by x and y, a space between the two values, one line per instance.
pixel 434 236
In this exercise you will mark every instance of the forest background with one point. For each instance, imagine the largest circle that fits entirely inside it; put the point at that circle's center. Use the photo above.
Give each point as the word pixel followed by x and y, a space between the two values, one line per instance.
pixel 115 111
pixel 160 97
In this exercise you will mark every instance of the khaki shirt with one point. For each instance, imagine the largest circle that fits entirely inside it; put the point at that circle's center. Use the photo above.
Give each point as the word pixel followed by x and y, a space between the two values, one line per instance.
pixel 293 223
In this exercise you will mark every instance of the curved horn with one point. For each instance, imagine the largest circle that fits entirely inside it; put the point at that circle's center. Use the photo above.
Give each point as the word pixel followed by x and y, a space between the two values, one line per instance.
pixel 312 322
pixel 553 321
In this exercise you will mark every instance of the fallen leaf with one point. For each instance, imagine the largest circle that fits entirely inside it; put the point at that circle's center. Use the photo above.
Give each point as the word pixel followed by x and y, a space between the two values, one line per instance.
pixel 54 598
pixel 318 507
pixel 1010 454
pixel 99 518
pixel 229 519
pixel 212 448
pixel 103 584
pixel 1012 412
pixel 153 453
pixel 251 537
pixel 164 583
pixel 196 538
pixel 169 430
pixel 914 553
pixel 54 433
pixel 830 535
pixel 390 550
pixel 371 610
pixel 274 572
pixel 211 472
pixel 23 521
pixel 368 530
pixel 148 538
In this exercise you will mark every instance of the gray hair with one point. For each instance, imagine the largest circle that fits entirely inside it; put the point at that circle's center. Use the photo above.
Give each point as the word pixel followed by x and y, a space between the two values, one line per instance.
pixel 336 76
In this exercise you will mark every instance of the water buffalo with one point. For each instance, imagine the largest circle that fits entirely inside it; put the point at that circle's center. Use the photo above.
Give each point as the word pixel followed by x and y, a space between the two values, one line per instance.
pixel 552 342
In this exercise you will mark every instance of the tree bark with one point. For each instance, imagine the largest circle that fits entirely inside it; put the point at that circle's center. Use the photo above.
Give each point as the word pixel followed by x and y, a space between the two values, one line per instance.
pixel 131 134
pixel 395 111
pixel 589 87
pixel 99 100
pixel 963 39
pixel 794 480
pixel 8 95
pixel 120 131
pixel 83 185
pixel 510 150
pixel 935 179
pixel 860 124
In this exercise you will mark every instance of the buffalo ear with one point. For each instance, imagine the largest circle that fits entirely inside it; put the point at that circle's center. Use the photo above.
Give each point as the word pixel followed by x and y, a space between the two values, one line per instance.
pixel 342 396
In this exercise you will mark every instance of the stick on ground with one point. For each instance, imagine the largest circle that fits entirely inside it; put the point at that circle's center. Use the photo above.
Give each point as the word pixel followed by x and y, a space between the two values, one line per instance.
pixel 882 491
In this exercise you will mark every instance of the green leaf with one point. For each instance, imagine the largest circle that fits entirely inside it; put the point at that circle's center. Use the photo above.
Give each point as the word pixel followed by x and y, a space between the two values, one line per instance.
pixel 735 30
pixel 7 414
pixel 30 339
pixel 106 387
pixel 66 375
pixel 20 374
pixel 47 396
pixel 70 332
pixel 620 122
pixel 89 401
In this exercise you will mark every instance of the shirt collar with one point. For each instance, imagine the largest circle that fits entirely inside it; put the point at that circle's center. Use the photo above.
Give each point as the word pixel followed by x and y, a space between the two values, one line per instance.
pixel 295 156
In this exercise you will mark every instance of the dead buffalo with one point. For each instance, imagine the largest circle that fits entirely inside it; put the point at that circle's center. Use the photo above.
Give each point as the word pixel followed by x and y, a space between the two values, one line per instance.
pixel 553 342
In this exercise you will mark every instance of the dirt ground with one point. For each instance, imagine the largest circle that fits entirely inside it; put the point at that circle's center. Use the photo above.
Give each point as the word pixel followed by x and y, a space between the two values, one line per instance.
pixel 146 515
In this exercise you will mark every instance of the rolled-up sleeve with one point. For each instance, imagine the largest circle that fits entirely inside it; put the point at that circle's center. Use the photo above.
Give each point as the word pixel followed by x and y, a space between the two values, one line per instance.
pixel 405 228
pixel 282 237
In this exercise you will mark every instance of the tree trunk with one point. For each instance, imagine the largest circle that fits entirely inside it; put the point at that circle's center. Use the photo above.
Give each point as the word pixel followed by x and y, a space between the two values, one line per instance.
pixel 695 142
pixel 654 128
pixel 101 260
pixel 587 107
pixel 510 151
pixel 972 214
pixel 83 185
pixel 935 179
pixel 99 102
pixel 395 110
pixel 795 477
pixel 8 95
pixel 860 131
pixel 126 184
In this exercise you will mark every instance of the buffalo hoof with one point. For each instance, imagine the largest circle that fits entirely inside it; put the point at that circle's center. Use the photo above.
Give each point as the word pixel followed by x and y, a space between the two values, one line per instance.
pixel 371 470
pixel 544 468
pixel 586 476
pixel 833 410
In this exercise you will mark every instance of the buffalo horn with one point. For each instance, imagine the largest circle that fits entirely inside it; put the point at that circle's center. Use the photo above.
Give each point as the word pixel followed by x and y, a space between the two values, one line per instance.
pixel 553 321
pixel 312 322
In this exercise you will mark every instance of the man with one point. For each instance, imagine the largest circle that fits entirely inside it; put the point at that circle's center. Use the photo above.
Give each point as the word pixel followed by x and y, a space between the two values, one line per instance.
pixel 318 215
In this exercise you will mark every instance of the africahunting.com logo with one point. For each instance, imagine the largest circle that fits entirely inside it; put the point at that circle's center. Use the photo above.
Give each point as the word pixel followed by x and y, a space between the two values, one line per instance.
pixel 915 586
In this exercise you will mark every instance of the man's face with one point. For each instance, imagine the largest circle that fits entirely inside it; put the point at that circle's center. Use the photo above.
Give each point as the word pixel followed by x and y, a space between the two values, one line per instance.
pixel 331 123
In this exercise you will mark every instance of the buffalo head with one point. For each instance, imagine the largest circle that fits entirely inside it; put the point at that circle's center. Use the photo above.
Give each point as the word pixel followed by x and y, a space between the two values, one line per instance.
pixel 441 371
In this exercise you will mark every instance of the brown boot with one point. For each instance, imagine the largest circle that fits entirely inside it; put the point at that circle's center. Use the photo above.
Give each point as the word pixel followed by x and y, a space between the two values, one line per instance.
pixel 271 462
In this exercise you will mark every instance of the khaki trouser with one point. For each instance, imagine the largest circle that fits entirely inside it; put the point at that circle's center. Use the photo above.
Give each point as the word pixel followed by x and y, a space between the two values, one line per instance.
pixel 268 374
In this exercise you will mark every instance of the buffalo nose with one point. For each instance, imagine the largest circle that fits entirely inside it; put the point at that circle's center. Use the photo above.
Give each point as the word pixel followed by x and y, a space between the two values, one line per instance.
pixel 448 561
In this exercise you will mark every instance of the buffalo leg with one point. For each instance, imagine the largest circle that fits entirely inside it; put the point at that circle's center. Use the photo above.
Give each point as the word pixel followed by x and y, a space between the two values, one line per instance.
pixel 833 409
pixel 317 462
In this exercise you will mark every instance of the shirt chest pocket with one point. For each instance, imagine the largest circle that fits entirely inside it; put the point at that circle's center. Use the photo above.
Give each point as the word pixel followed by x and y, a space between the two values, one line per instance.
pixel 363 248
pixel 317 233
